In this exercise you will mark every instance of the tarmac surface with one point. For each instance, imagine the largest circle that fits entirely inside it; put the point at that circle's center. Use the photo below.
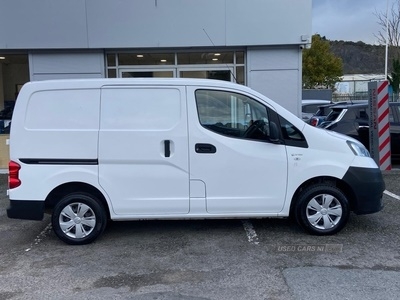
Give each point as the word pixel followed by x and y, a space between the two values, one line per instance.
pixel 205 259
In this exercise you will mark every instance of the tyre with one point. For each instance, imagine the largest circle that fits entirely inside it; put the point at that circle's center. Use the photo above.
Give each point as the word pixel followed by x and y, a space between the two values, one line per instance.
pixel 322 209
pixel 78 218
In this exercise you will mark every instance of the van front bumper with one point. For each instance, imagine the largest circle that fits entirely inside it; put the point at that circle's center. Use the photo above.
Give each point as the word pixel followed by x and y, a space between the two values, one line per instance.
pixel 367 185
pixel 26 210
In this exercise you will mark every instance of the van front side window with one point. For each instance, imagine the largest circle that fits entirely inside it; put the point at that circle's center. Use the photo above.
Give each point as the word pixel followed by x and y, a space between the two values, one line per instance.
pixel 232 114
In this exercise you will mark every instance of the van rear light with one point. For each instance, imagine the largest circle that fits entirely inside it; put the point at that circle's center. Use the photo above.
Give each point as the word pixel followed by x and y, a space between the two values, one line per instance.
pixel 13 175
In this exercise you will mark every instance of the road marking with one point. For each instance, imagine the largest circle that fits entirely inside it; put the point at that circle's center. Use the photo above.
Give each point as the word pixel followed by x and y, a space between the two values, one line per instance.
pixel 40 237
pixel 250 232
pixel 392 195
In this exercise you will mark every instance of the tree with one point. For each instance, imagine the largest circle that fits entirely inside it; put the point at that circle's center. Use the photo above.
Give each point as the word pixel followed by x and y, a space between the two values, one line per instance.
pixel 321 68
pixel 392 34
pixel 394 79
pixel 393 31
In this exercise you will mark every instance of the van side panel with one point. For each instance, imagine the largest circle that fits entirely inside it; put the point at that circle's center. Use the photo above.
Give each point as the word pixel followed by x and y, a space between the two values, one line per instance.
pixel 38 180
pixel 54 138
pixel 59 124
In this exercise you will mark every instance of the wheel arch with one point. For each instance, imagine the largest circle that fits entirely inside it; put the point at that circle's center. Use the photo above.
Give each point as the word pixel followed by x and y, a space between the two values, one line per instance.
pixel 67 188
pixel 333 181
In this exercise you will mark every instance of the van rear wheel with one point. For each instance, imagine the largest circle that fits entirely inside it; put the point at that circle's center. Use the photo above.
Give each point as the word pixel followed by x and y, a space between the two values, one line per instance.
pixel 78 218
pixel 322 209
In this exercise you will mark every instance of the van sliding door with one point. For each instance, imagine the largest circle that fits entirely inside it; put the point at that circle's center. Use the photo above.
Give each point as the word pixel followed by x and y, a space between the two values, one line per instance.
pixel 143 154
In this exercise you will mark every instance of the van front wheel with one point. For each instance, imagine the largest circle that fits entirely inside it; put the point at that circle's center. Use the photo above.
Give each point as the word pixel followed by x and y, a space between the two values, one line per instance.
pixel 78 219
pixel 322 209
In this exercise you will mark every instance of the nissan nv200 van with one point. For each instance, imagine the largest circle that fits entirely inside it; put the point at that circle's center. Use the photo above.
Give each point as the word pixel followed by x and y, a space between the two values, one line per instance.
pixel 90 151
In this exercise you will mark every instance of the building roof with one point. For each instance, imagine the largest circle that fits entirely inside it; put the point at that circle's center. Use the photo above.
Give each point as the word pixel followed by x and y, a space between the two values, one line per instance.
pixel 363 77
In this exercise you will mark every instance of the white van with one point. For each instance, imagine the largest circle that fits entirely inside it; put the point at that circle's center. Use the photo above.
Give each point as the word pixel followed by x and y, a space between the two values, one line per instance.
pixel 132 149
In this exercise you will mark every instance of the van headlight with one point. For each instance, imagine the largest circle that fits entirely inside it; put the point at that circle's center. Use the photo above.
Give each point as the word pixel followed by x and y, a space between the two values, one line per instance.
pixel 358 149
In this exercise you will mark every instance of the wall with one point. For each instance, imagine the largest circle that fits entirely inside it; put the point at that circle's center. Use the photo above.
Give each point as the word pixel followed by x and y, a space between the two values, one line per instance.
pixel 63 65
pixel 78 24
pixel 317 94
pixel 276 73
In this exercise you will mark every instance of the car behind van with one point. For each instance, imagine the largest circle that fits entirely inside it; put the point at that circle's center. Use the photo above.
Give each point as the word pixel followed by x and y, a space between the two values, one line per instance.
pixel 352 119
pixel 310 107
pixel 90 151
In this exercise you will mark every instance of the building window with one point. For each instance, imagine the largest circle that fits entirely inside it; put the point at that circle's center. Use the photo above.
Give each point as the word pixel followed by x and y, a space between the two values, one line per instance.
pixel 142 59
pixel 205 58
pixel 222 65
pixel 14 73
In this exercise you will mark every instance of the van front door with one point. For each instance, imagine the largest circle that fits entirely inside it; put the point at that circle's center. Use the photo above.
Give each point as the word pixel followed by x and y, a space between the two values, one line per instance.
pixel 232 152
pixel 143 154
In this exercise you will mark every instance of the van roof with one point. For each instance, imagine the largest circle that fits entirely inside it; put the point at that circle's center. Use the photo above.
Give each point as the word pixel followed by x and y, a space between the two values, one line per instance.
pixel 100 82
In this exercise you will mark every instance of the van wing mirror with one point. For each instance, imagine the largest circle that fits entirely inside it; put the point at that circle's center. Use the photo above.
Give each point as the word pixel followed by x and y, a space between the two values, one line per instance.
pixel 274 133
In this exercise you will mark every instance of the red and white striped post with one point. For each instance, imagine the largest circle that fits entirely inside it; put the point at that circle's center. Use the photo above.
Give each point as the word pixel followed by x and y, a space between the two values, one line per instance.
pixel 379 127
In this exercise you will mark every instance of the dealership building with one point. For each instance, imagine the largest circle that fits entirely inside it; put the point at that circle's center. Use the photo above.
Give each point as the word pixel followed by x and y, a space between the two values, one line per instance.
pixel 257 43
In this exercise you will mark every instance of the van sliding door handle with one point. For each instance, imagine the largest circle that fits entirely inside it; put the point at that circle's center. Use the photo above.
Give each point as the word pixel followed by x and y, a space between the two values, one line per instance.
pixel 205 148
pixel 167 148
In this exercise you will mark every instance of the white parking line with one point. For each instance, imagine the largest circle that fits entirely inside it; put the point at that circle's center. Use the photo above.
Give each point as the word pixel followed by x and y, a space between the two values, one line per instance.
pixel 392 195
pixel 40 236
pixel 250 232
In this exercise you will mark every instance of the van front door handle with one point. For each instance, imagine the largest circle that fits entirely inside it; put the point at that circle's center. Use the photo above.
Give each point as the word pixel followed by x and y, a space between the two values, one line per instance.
pixel 205 148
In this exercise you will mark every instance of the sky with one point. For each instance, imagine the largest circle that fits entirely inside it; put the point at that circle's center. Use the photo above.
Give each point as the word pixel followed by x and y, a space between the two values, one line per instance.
pixel 348 20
